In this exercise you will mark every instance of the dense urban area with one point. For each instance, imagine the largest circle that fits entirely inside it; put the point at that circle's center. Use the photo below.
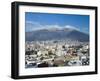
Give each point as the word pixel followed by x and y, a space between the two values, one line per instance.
pixel 56 53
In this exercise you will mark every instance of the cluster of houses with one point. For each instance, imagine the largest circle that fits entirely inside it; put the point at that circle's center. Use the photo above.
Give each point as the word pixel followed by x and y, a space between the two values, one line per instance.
pixel 56 53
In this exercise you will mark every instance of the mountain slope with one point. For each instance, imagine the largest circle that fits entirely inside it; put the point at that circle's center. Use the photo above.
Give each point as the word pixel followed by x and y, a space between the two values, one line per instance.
pixel 56 34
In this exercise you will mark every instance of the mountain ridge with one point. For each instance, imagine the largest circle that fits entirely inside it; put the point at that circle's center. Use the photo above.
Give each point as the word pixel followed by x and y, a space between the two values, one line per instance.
pixel 57 34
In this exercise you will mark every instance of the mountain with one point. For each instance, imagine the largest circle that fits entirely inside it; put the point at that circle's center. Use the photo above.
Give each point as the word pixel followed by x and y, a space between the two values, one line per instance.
pixel 56 34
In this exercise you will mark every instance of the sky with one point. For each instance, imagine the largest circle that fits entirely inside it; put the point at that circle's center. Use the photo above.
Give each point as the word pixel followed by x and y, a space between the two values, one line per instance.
pixel 35 21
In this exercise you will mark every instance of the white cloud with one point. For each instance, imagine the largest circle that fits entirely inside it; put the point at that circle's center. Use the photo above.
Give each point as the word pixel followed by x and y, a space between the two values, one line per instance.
pixel 71 27
pixel 30 26
pixel 33 23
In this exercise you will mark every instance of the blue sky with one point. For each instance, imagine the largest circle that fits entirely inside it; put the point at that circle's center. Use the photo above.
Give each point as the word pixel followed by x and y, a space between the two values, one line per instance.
pixel 35 21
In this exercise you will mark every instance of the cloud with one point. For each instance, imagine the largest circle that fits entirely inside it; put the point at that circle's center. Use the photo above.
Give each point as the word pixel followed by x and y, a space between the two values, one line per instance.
pixel 33 23
pixel 31 26
pixel 72 27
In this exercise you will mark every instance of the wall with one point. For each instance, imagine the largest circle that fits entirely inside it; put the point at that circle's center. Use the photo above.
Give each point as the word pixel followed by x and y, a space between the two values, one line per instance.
pixel 5 40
